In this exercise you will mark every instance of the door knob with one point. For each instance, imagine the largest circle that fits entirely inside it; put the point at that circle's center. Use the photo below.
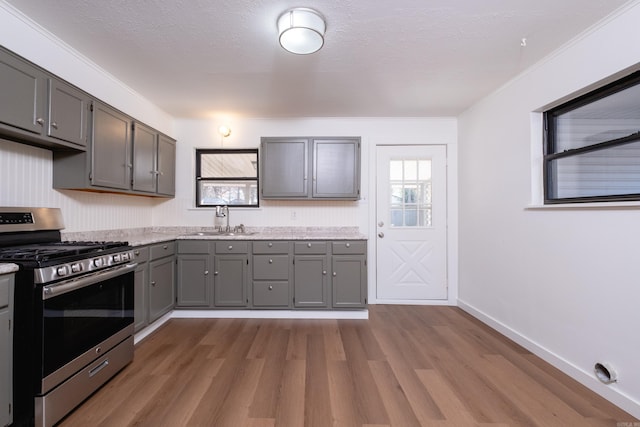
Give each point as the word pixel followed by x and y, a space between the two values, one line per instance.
pixel 381 234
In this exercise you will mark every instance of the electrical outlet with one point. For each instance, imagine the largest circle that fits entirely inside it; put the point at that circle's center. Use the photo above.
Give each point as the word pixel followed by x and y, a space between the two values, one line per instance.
pixel 293 215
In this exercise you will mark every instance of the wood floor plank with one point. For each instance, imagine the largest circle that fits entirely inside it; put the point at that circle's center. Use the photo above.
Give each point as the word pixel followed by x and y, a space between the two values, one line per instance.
pixel 405 366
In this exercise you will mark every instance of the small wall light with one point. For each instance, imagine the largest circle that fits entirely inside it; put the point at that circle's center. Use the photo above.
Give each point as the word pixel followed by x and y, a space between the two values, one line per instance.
pixel 225 131
pixel 301 30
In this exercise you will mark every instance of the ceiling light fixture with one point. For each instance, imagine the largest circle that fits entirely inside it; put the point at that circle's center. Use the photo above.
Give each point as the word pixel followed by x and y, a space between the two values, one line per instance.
pixel 301 30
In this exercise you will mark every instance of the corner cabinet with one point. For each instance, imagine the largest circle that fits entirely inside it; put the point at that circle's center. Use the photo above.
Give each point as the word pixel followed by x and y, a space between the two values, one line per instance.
pixel 44 110
pixel 123 156
pixel 310 168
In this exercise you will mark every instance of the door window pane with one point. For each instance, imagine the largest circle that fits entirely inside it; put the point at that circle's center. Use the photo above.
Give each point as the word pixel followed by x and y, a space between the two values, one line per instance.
pixel 410 182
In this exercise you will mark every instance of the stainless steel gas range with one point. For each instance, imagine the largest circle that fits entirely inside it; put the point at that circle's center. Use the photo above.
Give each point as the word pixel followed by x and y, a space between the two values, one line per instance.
pixel 73 313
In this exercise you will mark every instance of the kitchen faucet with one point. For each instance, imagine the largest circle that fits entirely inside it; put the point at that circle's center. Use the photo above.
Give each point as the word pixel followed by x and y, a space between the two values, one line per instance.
pixel 221 212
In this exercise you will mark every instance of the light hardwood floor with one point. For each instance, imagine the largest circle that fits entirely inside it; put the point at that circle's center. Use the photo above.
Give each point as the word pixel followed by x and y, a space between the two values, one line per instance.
pixel 405 366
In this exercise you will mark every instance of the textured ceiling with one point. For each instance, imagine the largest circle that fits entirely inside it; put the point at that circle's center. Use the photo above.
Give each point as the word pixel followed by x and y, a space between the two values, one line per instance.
pixel 393 58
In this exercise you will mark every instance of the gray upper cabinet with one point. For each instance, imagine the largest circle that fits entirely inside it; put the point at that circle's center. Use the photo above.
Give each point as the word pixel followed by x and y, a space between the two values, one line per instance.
pixel 336 168
pixel 123 156
pixel 310 168
pixel 166 171
pixel 110 148
pixel 68 113
pixel 145 141
pixel 154 161
pixel 43 110
pixel 284 168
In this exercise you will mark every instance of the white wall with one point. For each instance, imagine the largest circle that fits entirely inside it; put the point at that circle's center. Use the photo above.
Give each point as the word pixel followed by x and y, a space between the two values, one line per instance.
pixel 563 282
pixel 246 133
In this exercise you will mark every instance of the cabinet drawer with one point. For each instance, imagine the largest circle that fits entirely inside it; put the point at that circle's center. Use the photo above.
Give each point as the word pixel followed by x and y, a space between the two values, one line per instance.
pixel 349 247
pixel 231 247
pixel 193 247
pixel 310 248
pixel 268 247
pixel 271 294
pixel 141 254
pixel 271 267
pixel 163 249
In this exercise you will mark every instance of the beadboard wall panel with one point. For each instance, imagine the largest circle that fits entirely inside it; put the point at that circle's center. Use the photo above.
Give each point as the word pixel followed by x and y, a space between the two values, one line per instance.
pixel 26 180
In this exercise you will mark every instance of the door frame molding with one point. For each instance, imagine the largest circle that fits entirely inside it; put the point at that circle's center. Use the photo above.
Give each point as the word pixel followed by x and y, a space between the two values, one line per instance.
pixel 452 220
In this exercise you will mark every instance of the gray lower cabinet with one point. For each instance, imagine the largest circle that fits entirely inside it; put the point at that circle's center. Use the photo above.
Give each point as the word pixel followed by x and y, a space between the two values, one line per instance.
pixel 272 275
pixel 6 349
pixel 141 283
pixel 310 168
pixel 161 280
pixel 310 275
pixel 44 110
pixel 231 274
pixel 349 274
pixel 194 274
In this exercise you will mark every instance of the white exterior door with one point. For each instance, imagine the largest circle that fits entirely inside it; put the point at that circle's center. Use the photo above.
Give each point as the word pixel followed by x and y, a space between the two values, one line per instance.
pixel 411 223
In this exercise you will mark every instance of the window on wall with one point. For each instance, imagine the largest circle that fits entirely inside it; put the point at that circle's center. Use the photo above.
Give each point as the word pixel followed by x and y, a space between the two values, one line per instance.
pixel 227 177
pixel 592 146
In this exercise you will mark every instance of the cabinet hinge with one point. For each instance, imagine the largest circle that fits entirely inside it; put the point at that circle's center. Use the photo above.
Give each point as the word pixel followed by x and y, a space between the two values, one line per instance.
pixel 365 262
pixel 9 324
pixel 247 261
pixel 90 176
pixel 91 107
pixel 10 408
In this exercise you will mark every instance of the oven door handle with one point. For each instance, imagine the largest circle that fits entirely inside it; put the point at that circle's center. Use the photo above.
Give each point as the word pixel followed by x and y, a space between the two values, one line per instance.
pixel 60 288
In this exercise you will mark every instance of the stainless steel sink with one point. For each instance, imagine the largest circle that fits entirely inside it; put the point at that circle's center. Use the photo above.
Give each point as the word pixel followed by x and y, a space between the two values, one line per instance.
pixel 221 233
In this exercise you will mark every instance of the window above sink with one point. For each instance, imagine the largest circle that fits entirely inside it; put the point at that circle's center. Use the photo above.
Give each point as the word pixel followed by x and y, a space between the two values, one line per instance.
pixel 227 178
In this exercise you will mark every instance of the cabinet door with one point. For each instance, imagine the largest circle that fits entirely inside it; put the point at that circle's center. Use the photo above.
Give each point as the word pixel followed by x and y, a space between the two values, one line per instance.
pixel 6 349
pixel 194 285
pixel 230 281
pixel 284 168
pixel 336 168
pixel 349 281
pixel 144 158
pixel 166 166
pixel 111 148
pixel 161 289
pixel 140 297
pixel 25 87
pixel 68 113
pixel 310 281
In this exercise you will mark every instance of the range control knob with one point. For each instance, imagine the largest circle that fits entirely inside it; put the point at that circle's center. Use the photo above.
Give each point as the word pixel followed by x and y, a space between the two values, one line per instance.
pixel 76 268
pixel 62 270
pixel 98 262
pixel 116 258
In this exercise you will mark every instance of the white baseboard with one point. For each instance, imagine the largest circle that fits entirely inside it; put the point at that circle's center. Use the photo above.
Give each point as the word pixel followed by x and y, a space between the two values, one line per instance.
pixel 270 314
pixel 413 302
pixel 588 379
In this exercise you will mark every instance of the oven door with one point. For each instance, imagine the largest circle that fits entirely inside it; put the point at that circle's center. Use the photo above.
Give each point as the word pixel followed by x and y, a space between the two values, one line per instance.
pixel 82 319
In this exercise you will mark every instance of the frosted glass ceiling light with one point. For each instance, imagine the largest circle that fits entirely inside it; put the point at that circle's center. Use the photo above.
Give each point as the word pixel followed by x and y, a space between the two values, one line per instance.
pixel 301 30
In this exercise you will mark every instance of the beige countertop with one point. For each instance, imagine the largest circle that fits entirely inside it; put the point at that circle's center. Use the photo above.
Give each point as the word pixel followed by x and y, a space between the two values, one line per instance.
pixel 151 235
pixel 7 268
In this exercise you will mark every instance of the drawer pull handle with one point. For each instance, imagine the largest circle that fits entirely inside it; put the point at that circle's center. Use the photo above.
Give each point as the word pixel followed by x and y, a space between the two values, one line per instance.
pixel 164 247
pixel 335 274
pixel 206 272
pixel 99 368
pixel 270 287
pixel 308 245
pixel 270 261
pixel 324 272
pixel 153 283
pixel 348 245
pixel 270 245
pixel 230 247
pixel 215 273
